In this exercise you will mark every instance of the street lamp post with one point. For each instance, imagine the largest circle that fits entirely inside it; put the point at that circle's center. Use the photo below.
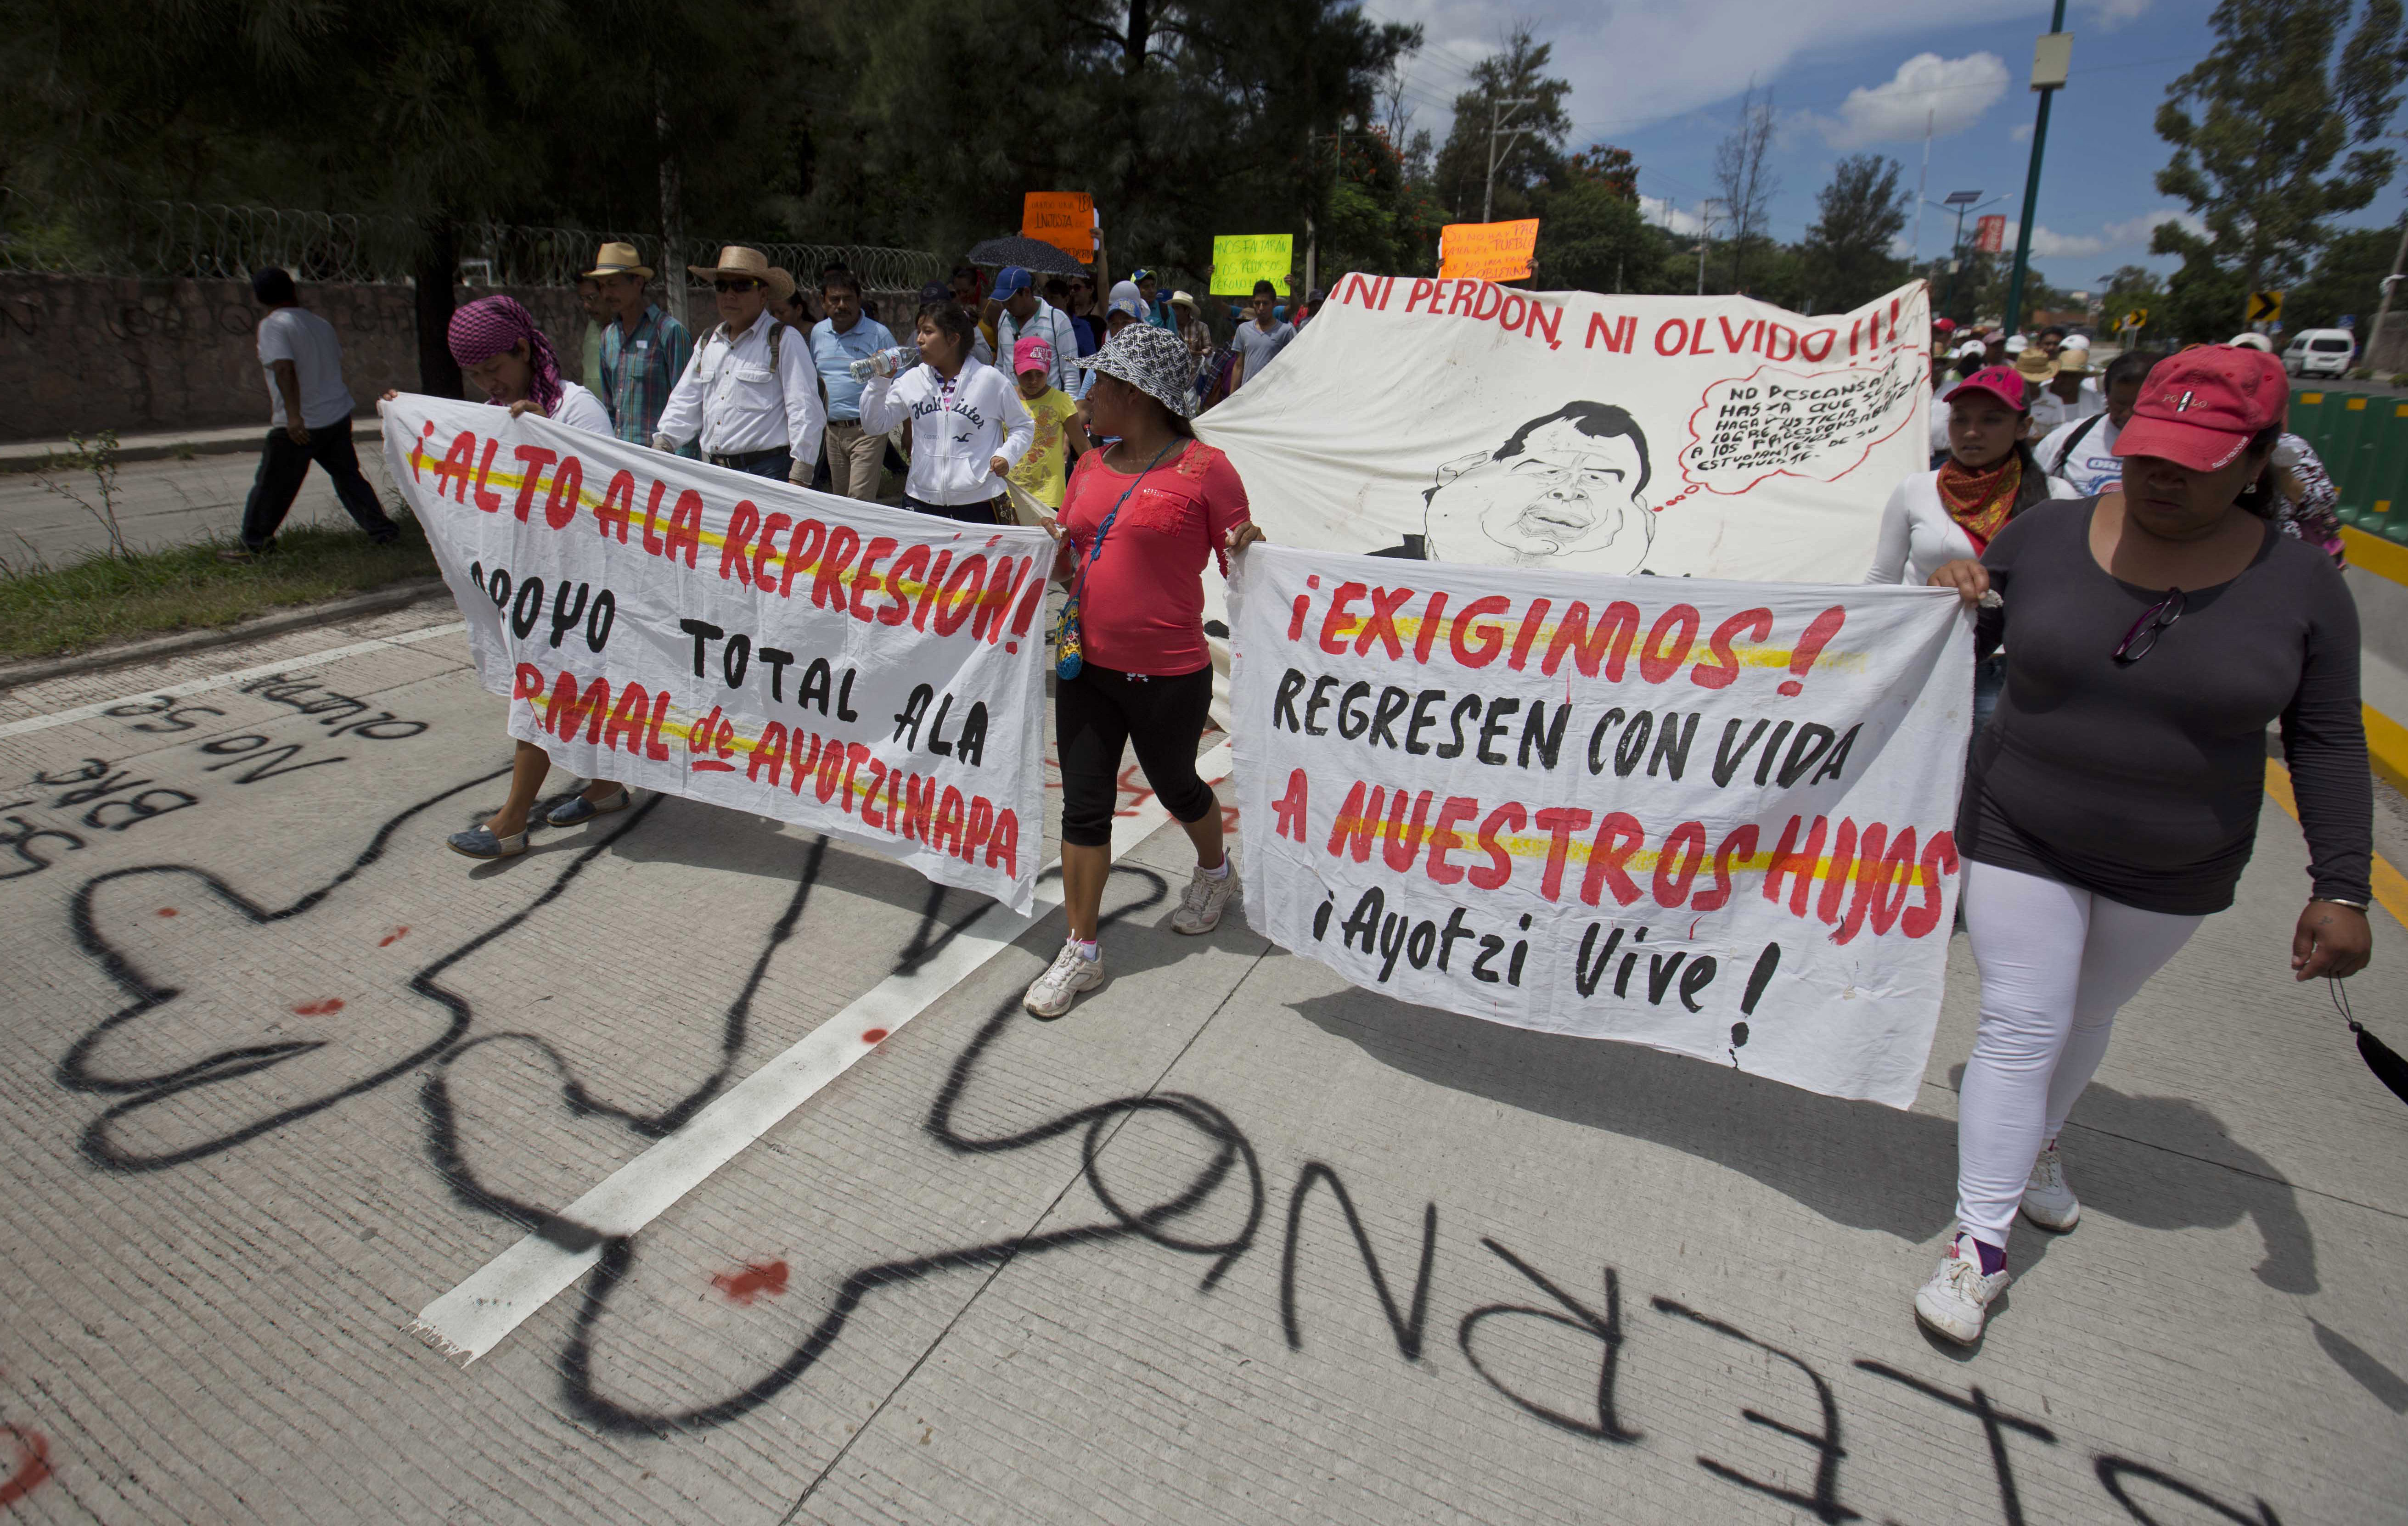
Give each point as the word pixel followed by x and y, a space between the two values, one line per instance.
pixel 2050 62
pixel 1963 201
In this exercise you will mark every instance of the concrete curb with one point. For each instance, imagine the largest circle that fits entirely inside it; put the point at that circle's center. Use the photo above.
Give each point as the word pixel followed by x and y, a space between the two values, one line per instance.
pixel 399 596
pixel 37 455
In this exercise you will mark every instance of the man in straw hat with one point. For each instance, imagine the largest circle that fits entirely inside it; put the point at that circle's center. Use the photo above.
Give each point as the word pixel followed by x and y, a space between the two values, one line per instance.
pixel 644 350
pixel 749 395
pixel 2063 397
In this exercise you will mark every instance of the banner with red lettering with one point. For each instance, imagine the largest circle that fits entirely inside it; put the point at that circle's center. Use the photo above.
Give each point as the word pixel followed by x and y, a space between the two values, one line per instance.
pixel 860 671
pixel 1713 817
pixel 1460 421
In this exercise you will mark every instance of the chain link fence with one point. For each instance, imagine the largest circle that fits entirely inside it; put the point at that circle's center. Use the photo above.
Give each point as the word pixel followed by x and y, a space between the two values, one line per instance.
pixel 204 241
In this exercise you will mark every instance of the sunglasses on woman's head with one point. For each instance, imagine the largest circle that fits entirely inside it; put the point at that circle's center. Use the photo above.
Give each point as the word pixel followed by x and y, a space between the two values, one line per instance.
pixel 740 284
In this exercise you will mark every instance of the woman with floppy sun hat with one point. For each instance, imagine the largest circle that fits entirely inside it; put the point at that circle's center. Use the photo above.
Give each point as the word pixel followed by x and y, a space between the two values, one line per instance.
pixel 2152 632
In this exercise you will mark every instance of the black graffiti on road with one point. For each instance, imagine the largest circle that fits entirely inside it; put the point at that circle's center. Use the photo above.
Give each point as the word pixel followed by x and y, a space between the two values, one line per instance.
pixel 1231 1157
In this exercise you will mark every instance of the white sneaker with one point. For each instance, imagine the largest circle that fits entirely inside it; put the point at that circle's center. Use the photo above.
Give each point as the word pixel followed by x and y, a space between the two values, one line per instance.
pixel 1958 1298
pixel 1051 994
pixel 1200 902
pixel 2048 1202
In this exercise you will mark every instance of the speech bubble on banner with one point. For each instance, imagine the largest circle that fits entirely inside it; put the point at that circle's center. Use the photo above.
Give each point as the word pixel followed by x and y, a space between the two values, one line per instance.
pixel 1780 422
pixel 1063 218
pixel 1240 260
pixel 1492 252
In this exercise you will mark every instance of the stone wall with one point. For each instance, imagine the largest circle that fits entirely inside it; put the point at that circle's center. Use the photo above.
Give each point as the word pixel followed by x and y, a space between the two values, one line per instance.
pixel 83 353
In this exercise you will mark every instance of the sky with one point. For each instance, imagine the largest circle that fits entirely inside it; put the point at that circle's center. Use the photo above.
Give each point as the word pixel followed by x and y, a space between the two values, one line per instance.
pixel 1663 79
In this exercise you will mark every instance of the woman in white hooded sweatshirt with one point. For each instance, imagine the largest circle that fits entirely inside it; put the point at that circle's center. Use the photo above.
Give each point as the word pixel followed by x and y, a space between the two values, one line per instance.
pixel 1949 515
pixel 967 425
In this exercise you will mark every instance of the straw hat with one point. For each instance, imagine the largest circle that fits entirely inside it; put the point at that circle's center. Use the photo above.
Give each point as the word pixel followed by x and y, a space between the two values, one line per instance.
pixel 1181 299
pixel 2034 364
pixel 735 260
pixel 620 260
pixel 782 285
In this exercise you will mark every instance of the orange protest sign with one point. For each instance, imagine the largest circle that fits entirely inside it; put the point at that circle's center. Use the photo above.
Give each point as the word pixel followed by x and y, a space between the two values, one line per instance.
pixel 1063 218
pixel 1493 252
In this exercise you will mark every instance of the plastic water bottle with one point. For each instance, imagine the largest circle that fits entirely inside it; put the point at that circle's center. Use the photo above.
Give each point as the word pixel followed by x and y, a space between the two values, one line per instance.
pixel 886 362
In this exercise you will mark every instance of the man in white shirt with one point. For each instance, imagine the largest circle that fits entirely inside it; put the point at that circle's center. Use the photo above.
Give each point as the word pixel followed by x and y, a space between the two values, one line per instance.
pixel 310 421
pixel 2065 399
pixel 2083 452
pixel 751 394
pixel 1023 314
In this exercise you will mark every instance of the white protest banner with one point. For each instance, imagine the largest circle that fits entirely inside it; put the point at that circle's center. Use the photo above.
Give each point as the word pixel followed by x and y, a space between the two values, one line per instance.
pixel 1460 421
pixel 864 672
pixel 1714 817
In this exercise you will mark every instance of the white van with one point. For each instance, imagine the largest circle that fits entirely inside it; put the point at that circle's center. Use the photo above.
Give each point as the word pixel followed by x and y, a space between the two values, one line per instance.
pixel 2320 352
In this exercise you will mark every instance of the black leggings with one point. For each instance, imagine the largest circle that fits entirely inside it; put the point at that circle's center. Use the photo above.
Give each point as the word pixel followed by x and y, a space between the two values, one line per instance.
pixel 1164 717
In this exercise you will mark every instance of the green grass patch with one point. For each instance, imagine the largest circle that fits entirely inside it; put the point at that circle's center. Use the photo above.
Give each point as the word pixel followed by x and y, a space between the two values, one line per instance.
pixel 50 612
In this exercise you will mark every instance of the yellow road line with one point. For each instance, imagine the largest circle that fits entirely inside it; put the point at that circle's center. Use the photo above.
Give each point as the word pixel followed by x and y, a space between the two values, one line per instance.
pixel 2390 886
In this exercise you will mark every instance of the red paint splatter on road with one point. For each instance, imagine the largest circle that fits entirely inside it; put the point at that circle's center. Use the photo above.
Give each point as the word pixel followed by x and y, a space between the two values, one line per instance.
pixel 32 1464
pixel 873 1035
pixel 167 911
pixel 325 1008
pixel 750 1283
pixel 387 941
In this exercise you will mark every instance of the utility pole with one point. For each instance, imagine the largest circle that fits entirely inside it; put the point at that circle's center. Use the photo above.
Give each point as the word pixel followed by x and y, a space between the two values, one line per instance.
pixel 1498 125
pixel 1705 236
pixel 2051 60
pixel 2398 259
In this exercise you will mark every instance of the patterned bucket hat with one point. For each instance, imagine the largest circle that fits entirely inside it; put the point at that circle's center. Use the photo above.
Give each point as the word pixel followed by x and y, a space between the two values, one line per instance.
pixel 1154 361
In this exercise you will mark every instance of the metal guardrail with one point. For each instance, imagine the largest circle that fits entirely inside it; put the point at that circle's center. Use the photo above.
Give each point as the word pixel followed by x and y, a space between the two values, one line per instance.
pixel 207 241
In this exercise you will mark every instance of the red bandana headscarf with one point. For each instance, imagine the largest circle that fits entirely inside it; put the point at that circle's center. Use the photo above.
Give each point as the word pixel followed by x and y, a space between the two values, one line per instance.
pixel 490 325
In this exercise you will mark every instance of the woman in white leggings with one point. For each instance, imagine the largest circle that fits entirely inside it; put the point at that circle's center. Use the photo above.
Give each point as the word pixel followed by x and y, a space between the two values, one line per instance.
pixel 2111 802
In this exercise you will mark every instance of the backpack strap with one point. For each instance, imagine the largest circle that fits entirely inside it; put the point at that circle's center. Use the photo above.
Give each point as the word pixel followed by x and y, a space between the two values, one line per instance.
pixel 2065 453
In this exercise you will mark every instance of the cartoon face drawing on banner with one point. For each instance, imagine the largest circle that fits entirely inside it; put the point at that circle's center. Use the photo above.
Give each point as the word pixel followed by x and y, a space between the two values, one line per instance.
pixel 1564 489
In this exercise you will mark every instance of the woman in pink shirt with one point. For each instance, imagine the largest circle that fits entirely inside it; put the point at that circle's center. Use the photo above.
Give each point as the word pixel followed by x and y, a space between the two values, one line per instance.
pixel 1139 522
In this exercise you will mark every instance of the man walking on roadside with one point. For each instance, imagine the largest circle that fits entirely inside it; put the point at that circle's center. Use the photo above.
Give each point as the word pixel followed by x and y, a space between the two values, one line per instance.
pixel 644 350
pixel 310 421
pixel 752 399
pixel 856 458
pixel 1025 317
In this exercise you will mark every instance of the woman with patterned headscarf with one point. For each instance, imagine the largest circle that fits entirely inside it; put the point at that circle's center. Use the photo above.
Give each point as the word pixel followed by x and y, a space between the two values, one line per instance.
pixel 498 346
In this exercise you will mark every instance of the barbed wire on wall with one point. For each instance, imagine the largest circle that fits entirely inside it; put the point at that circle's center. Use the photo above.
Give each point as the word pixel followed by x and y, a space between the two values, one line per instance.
pixel 205 241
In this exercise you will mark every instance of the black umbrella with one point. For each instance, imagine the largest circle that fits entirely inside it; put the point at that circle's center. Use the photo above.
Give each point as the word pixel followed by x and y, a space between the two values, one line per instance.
pixel 2387 1066
pixel 1034 253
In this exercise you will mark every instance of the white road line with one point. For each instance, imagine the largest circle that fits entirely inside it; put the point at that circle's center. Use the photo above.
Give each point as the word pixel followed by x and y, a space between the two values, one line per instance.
pixel 222 680
pixel 473 1317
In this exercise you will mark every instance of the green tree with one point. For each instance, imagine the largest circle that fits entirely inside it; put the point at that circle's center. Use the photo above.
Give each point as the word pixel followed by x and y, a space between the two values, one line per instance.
pixel 1846 252
pixel 2132 288
pixel 2257 129
pixel 1592 238
pixel 1527 148
pixel 2348 278
pixel 1744 176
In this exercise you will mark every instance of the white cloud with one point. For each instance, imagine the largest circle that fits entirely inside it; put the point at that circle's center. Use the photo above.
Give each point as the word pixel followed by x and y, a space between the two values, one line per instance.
pixel 1664 214
pixel 2114 13
pixel 2021 132
pixel 2132 233
pixel 1948 93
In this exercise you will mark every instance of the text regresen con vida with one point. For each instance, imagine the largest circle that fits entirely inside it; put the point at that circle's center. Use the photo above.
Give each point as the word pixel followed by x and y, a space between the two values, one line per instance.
pixel 942 591
pixel 1851 875
pixel 1708 333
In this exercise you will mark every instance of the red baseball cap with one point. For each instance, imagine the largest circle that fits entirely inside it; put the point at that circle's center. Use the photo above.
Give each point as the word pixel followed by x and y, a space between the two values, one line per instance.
pixel 2199 408
pixel 2004 382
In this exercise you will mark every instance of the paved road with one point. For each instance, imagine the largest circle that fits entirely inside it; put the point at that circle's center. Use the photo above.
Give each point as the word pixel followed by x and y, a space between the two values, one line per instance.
pixel 158 503
pixel 282 1073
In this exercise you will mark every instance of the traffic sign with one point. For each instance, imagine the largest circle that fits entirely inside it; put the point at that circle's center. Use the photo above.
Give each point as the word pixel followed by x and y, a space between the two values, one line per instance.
pixel 2264 306
pixel 2346 320
pixel 2137 318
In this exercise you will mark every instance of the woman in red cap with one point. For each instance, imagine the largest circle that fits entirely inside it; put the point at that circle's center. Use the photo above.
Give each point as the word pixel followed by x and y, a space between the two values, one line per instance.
pixel 1949 515
pixel 2151 634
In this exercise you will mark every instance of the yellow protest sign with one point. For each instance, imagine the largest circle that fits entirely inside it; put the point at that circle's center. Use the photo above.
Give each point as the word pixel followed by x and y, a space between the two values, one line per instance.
pixel 1240 260
pixel 1491 252
pixel 1063 218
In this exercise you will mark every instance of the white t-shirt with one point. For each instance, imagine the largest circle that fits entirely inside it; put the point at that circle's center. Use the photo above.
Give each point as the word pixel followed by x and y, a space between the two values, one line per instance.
pixel 580 409
pixel 2093 467
pixel 2048 411
pixel 1918 535
pixel 308 340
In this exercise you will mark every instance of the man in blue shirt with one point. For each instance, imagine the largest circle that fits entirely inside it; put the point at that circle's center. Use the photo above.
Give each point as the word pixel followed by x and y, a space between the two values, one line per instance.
pixel 1157 311
pixel 855 459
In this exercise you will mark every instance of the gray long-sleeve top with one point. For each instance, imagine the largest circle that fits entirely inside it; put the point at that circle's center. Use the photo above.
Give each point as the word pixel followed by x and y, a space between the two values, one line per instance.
pixel 2143 781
